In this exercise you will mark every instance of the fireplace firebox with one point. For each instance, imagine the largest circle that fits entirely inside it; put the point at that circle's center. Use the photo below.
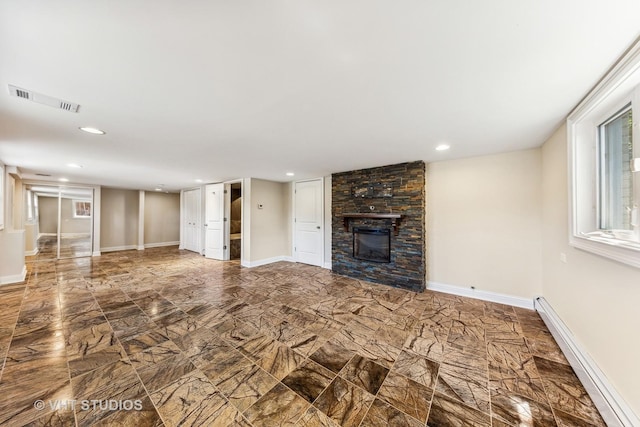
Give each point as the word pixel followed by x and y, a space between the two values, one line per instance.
pixel 372 244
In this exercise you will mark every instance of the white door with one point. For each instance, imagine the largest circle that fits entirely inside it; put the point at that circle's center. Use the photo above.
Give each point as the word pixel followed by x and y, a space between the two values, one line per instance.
pixel 191 224
pixel 216 246
pixel 309 234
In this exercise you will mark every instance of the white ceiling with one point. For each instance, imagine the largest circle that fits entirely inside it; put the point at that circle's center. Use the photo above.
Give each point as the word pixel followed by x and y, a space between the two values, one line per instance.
pixel 217 90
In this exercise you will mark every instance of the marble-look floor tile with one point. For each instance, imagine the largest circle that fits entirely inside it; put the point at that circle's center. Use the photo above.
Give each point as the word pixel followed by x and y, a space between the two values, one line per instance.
pixel 279 361
pixel 279 407
pixel 465 386
pixel 244 387
pixel 446 411
pixel 98 401
pixel 566 392
pixel 309 380
pixel 143 341
pixel 417 368
pixel 382 414
pixel 314 418
pixel 94 360
pixel 186 323
pixel 365 373
pixel 146 417
pixel 157 375
pixel 568 420
pixel 332 356
pixel 103 377
pixel 193 401
pixel 344 402
pixel 154 355
pixel 519 411
pixel 408 396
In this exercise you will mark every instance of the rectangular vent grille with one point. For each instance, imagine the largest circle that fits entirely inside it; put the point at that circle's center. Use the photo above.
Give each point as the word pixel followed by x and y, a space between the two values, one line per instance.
pixel 43 99
pixel 22 93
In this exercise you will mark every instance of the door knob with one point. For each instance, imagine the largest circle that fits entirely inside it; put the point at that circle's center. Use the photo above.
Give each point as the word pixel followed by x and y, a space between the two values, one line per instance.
pixel 318 227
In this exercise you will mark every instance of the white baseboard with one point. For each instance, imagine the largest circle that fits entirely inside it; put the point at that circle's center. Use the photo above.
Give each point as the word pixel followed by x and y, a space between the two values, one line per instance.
pixel 612 407
pixel 161 244
pixel 482 295
pixel 16 278
pixel 31 252
pixel 96 253
pixel 251 264
pixel 119 248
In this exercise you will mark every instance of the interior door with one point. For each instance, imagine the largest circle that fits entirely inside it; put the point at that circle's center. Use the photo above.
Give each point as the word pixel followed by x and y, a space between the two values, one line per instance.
pixel 215 221
pixel 309 246
pixel 191 225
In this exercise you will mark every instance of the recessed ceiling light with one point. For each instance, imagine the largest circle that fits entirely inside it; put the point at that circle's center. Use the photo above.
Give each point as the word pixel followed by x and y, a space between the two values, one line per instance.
pixel 74 165
pixel 94 131
pixel 290 174
pixel 63 180
pixel 442 147
pixel 198 180
pixel 158 189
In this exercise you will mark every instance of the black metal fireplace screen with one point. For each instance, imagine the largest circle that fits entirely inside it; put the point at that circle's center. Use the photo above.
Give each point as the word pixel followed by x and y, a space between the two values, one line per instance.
pixel 372 244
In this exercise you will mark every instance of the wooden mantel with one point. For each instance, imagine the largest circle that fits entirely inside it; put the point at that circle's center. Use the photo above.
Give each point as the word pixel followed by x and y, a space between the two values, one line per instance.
pixel 395 219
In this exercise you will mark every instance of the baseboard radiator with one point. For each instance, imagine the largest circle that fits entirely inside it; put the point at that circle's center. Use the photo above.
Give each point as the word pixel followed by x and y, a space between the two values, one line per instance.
pixel 612 407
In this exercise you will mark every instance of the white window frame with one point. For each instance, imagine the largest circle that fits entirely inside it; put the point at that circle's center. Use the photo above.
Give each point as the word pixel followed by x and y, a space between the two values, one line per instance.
pixel 618 88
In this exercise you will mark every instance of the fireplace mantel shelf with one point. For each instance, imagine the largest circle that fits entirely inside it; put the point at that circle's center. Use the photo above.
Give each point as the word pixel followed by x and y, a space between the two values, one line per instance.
pixel 395 219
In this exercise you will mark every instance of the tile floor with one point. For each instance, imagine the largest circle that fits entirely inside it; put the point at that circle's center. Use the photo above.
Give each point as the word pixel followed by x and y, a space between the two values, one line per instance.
pixel 191 341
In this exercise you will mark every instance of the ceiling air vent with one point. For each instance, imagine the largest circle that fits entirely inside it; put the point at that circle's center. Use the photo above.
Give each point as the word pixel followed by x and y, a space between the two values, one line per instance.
pixel 43 99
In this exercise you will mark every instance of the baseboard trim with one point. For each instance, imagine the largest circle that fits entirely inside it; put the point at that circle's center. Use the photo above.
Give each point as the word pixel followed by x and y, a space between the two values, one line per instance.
pixel 160 244
pixel 251 264
pixel 119 248
pixel 612 407
pixel 32 252
pixel 16 278
pixel 96 253
pixel 482 295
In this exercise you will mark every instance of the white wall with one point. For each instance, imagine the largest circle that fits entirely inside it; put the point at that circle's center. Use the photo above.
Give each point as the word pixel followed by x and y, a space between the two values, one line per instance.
pixel 270 227
pixel 597 298
pixel 119 219
pixel 484 222
pixel 12 248
pixel 161 218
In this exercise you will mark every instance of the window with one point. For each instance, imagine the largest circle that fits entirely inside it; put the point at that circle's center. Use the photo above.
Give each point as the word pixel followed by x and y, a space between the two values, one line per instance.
pixel 604 160
pixel 616 178
pixel 81 209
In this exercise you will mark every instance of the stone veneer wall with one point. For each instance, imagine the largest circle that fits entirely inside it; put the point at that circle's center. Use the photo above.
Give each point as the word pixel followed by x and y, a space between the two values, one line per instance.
pixel 407 267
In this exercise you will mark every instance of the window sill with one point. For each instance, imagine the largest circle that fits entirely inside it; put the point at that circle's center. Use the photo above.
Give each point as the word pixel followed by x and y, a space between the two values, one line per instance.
pixel 618 250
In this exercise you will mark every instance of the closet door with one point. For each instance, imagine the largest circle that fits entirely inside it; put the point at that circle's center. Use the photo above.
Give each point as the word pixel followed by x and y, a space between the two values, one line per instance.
pixel 215 220
pixel 191 225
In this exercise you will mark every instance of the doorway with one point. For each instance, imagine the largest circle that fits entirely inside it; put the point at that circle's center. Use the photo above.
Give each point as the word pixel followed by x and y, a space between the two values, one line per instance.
pixel 223 221
pixel 60 220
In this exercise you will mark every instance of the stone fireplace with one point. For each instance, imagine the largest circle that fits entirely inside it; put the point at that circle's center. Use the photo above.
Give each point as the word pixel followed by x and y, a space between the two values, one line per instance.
pixel 378 224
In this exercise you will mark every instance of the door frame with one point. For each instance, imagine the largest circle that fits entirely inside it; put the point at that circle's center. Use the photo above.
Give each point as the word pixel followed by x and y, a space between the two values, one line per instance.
pixel 243 208
pixel 96 198
pixel 322 220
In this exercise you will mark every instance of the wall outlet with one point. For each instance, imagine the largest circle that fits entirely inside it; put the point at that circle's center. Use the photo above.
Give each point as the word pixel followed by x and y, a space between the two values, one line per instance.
pixel 563 257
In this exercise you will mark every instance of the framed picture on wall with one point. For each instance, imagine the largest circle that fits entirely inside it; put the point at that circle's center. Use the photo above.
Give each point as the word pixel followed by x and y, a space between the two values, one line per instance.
pixel 81 209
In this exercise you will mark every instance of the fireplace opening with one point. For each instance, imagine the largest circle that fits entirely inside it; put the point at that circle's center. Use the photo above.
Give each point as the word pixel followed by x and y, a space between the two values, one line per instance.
pixel 372 244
